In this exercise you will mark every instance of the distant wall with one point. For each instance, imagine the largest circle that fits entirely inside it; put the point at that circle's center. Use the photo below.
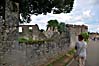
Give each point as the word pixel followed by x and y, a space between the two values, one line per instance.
pixel 75 30
pixel 94 35
pixel 31 31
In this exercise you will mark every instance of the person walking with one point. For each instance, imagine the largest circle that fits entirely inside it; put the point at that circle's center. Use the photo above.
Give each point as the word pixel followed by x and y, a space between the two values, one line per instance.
pixel 81 46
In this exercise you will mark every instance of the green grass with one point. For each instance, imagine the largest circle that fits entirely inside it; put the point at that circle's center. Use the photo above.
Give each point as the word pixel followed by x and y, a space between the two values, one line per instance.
pixel 71 52
pixel 67 62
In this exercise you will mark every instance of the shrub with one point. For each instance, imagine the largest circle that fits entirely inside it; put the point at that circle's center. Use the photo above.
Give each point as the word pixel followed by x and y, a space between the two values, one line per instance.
pixel 21 40
pixel 31 41
pixel 85 35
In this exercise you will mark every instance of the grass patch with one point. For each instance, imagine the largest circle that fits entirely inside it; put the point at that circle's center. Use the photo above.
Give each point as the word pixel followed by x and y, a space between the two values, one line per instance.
pixel 70 53
pixel 67 62
pixel 59 59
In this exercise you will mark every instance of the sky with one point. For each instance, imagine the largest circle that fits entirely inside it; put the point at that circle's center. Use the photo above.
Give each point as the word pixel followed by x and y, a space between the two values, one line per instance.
pixel 83 12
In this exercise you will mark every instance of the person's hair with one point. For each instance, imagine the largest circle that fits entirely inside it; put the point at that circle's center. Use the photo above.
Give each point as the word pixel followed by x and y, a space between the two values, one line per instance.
pixel 80 37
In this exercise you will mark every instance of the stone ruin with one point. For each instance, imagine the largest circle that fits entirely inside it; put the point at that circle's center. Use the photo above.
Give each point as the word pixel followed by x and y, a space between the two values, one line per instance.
pixel 75 30
pixel 31 31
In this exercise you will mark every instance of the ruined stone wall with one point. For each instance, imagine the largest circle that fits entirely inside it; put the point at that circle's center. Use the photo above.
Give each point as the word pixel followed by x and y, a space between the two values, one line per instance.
pixel 36 54
pixel 8 34
pixel 75 30
pixel 33 33
pixel 42 54
pixel 13 53
pixel 9 25
pixel 26 32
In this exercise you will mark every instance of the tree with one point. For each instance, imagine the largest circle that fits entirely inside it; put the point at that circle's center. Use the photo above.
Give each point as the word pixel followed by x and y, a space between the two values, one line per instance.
pixel 55 24
pixel 28 7
pixel 85 35
pixel 62 27
pixel 52 24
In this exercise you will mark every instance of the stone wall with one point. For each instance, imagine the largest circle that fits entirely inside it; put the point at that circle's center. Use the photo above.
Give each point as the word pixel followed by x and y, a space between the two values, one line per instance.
pixel 24 54
pixel 31 31
pixel 13 53
pixel 9 34
pixel 75 30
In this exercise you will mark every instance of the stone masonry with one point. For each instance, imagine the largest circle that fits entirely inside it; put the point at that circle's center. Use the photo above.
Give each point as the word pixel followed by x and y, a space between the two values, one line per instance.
pixel 8 34
pixel 13 53
pixel 25 54
pixel 75 30
pixel 31 31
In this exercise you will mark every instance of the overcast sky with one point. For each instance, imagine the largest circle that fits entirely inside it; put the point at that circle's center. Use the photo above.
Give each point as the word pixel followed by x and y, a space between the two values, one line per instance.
pixel 84 12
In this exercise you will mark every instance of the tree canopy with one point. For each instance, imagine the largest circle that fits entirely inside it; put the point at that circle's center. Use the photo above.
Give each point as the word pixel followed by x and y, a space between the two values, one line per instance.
pixel 36 7
pixel 62 27
pixel 52 23
pixel 55 24
pixel 28 7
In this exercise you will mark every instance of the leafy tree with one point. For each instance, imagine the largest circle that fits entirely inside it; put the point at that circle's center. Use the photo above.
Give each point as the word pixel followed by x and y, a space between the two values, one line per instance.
pixel 62 27
pixel 85 35
pixel 53 24
pixel 28 7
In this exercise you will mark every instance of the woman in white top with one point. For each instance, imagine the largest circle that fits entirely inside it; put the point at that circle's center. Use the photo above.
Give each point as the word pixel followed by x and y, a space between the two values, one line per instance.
pixel 81 50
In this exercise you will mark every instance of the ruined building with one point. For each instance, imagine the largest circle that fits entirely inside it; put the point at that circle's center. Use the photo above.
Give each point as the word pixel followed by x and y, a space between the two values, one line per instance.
pixel 31 31
pixel 77 29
